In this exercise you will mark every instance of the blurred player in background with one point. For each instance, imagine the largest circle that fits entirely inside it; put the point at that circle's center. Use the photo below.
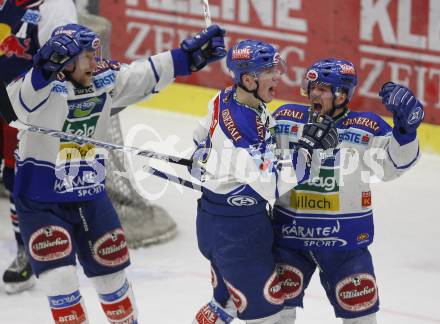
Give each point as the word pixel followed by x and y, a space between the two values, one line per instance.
pixel 327 222
pixel 236 149
pixel 59 187
pixel 24 26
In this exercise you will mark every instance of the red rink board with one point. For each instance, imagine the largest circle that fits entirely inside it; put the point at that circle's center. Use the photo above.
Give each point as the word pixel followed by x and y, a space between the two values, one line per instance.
pixel 395 40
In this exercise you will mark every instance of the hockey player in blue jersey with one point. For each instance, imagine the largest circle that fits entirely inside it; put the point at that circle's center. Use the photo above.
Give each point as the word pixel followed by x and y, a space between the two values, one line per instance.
pixel 240 174
pixel 59 187
pixel 327 222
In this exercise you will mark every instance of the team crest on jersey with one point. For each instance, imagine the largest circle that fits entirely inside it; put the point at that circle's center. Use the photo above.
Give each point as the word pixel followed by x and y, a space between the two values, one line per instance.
pixel 50 243
pixel 357 293
pixel 238 298
pixel 111 249
pixel 2 4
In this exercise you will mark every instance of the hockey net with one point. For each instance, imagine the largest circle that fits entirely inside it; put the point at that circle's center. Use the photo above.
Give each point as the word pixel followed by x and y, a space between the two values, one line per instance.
pixel 143 222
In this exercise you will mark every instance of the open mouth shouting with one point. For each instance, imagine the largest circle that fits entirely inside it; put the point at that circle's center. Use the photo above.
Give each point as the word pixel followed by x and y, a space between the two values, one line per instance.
pixel 317 107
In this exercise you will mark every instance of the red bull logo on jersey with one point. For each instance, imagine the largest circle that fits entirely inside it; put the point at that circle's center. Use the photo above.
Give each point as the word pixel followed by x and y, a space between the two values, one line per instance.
pixel 10 45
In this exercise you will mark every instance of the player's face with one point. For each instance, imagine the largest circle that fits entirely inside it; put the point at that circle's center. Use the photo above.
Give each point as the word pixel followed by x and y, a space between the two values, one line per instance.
pixel 84 67
pixel 268 81
pixel 321 98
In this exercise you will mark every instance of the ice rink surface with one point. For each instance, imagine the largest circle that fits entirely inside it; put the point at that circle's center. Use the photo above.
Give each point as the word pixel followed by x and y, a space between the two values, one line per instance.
pixel 171 281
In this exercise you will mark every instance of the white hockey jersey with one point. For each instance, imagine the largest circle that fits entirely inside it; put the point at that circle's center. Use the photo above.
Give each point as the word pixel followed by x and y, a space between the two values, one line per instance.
pixel 334 210
pixel 50 169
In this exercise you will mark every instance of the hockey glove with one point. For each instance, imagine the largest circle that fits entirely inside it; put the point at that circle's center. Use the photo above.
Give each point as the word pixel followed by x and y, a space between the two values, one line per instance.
pixel 407 111
pixel 205 47
pixel 55 54
pixel 199 157
pixel 320 134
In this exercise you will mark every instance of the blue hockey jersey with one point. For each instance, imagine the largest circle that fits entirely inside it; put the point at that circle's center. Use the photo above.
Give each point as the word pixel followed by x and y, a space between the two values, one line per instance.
pixel 239 157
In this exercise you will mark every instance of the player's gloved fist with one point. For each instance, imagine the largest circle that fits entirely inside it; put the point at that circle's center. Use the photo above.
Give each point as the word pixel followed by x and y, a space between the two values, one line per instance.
pixel 199 156
pixel 320 134
pixel 205 47
pixel 407 111
pixel 58 51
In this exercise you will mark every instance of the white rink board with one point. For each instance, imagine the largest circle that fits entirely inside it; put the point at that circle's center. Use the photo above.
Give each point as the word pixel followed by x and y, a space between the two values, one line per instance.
pixel 171 281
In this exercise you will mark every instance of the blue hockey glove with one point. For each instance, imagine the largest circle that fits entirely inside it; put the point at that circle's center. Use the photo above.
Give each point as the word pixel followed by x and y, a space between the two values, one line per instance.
pixel 407 111
pixel 205 47
pixel 321 133
pixel 200 156
pixel 55 54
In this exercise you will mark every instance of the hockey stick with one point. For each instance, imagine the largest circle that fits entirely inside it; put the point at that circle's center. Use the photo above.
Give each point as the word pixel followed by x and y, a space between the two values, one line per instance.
pixel 7 112
pixel 173 178
pixel 206 13
pixel 109 146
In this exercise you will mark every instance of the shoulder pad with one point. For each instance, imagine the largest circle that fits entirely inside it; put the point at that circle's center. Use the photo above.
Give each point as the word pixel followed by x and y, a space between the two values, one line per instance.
pixel 296 112
pixel 367 121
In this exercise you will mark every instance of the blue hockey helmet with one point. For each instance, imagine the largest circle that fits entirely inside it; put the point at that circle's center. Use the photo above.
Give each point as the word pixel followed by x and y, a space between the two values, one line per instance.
pixel 252 56
pixel 84 36
pixel 339 74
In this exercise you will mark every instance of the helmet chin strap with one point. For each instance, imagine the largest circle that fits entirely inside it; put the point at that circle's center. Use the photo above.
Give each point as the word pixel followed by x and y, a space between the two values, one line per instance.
pixel 254 92
pixel 335 106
